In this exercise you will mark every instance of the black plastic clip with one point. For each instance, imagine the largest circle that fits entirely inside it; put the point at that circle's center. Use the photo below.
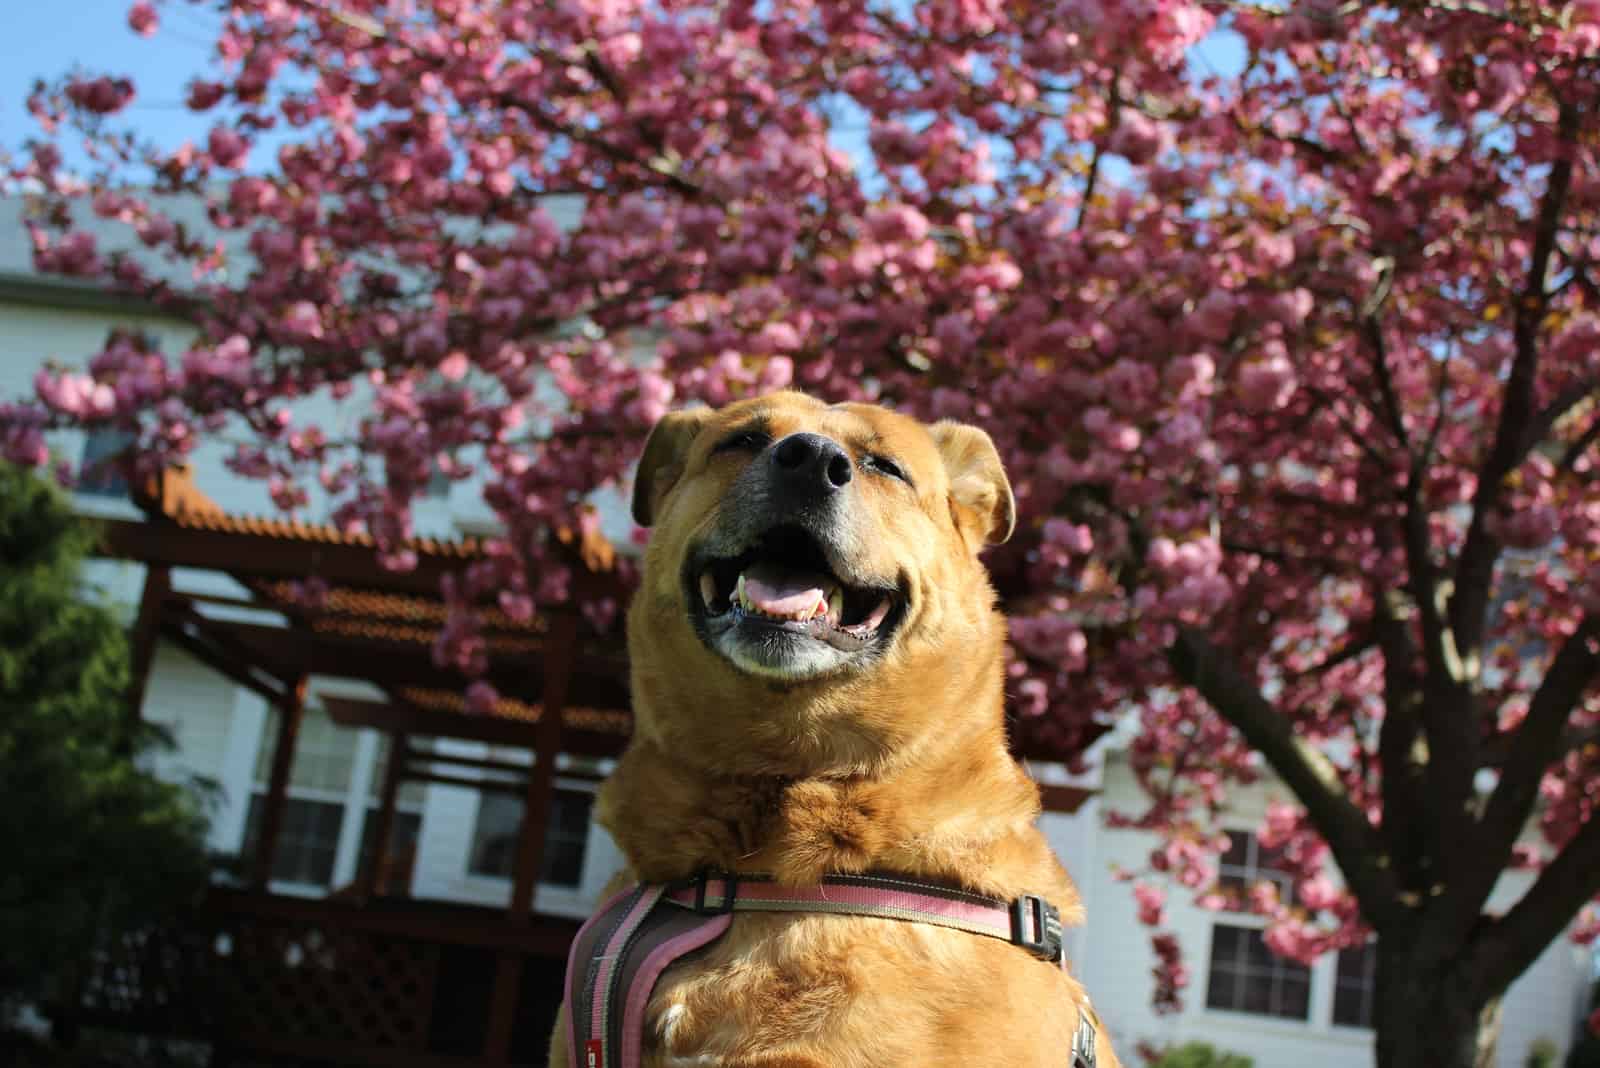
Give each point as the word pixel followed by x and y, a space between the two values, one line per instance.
pixel 1036 927
pixel 730 890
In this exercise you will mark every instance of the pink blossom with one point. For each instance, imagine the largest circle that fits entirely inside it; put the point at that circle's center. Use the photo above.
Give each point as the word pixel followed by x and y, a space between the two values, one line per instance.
pixel 1152 903
pixel 227 147
pixel 142 18
pixel 1267 383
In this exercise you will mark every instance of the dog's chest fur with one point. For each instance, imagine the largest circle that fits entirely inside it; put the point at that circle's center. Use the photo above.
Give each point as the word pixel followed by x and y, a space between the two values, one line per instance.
pixel 853 992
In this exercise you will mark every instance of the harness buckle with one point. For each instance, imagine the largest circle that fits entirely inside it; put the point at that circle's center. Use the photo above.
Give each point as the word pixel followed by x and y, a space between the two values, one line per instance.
pixel 1036 927
pixel 730 884
pixel 1083 1055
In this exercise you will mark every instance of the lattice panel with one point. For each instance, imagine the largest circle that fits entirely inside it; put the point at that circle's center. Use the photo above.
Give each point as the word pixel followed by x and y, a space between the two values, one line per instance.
pixel 153 981
pixel 310 982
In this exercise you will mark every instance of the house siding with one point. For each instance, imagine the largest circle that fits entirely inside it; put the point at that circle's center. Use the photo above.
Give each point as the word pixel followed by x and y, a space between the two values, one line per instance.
pixel 1114 959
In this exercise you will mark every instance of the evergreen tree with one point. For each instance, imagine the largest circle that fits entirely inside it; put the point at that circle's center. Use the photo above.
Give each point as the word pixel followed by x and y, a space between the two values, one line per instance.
pixel 93 843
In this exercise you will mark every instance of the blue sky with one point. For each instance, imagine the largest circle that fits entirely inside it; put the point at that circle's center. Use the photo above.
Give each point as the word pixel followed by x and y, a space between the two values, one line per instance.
pixel 47 39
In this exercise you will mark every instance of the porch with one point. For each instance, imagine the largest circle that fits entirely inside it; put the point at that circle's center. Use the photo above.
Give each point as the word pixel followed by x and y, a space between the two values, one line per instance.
pixel 368 974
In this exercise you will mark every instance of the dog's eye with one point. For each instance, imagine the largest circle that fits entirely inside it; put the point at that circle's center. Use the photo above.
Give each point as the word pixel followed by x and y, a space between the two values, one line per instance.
pixel 743 441
pixel 884 466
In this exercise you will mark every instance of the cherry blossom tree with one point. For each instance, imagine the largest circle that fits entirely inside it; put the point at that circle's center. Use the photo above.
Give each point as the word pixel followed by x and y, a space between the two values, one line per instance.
pixel 1286 318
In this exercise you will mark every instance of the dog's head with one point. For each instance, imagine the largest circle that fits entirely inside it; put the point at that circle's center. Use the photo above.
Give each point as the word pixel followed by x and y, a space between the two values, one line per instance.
pixel 812 580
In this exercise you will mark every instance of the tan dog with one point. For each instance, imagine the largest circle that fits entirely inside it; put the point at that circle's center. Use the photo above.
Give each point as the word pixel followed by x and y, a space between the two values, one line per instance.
pixel 817 672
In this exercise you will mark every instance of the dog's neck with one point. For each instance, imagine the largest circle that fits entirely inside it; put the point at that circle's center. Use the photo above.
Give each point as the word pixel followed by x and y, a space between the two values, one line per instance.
pixel 953 807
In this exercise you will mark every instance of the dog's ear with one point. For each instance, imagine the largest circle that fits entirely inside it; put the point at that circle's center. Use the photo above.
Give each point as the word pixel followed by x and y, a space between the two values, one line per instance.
pixel 662 463
pixel 978 482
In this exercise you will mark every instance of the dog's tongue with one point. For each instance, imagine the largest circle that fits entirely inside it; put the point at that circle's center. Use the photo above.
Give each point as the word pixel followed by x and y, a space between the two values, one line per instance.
pixel 778 592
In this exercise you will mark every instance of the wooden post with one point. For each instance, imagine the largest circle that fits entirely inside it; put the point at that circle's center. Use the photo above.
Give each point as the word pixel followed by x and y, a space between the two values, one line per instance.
pixel 142 652
pixel 559 648
pixel 291 712
pixel 372 867
pixel 560 645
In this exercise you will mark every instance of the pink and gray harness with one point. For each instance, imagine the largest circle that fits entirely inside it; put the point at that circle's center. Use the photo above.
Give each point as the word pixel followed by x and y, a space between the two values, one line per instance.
pixel 621 952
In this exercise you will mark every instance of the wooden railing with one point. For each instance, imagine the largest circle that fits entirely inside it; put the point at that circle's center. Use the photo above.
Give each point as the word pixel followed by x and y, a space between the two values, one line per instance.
pixel 385 983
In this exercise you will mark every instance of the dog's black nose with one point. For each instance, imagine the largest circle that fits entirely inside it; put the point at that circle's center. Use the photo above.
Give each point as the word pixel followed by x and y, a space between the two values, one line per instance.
pixel 812 462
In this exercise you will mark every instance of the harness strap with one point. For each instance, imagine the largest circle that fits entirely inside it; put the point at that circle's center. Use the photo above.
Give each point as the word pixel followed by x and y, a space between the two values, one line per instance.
pixel 621 952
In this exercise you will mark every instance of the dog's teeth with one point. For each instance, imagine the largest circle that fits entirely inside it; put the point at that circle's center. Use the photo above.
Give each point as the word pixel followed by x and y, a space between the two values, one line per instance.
pixel 738 594
pixel 836 605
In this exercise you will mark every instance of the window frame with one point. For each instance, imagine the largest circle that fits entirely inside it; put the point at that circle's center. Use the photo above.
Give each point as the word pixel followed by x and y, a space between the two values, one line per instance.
pixel 1368 985
pixel 1241 971
pixel 563 784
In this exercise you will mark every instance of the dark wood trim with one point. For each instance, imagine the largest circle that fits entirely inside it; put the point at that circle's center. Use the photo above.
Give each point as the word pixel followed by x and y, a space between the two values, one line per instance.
pixel 424 756
pixel 1066 799
pixel 599 682
pixel 367 877
pixel 503 1008
pixel 491 730
pixel 291 713
pixel 450 923
pixel 142 643
pixel 212 658
pixel 541 778
pixel 490 786
pixel 261 556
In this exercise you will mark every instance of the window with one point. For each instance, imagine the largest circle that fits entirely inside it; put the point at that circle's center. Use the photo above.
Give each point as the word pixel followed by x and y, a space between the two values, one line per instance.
pixel 99 474
pixel 1355 984
pixel 494 838
pixel 313 809
pixel 1246 863
pixel 1246 976
pixel 322 789
pixel 308 839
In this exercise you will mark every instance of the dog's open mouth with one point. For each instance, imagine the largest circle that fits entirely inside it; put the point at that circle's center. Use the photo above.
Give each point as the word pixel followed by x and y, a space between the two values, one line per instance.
pixel 785 583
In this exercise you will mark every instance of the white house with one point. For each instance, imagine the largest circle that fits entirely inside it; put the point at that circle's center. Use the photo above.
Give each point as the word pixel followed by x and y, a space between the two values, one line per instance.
pixel 1242 998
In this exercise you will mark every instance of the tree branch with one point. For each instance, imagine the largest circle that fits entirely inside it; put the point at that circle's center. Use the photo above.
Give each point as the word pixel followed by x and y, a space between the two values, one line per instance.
pixel 1301 766
pixel 1479 856
pixel 1538 742
pixel 1507 946
pixel 1398 754
pixel 1580 446
pixel 1475 567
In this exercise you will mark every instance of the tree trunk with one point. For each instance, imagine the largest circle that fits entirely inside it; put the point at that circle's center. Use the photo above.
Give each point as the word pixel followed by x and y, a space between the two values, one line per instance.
pixel 1430 1013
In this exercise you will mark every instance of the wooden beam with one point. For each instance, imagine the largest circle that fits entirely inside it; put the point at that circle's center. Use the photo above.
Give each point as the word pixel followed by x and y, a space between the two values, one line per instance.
pixel 503 1000
pixel 440 723
pixel 245 675
pixel 542 780
pixel 290 713
pixel 1066 799
pixel 372 866
pixel 448 923
pixel 531 831
pixel 600 683
pixel 424 756
pixel 492 786
pixel 161 542
pixel 142 652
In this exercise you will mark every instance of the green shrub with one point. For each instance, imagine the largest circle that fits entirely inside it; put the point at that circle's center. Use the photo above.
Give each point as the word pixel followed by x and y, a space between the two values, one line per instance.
pixel 1201 1055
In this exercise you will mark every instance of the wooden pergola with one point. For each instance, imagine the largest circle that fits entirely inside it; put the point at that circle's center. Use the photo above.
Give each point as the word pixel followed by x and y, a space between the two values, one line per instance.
pixel 563 693
pixel 563 687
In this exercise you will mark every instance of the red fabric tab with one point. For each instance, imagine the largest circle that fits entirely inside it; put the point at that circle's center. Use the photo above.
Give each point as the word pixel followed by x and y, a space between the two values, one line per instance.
pixel 593 1053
